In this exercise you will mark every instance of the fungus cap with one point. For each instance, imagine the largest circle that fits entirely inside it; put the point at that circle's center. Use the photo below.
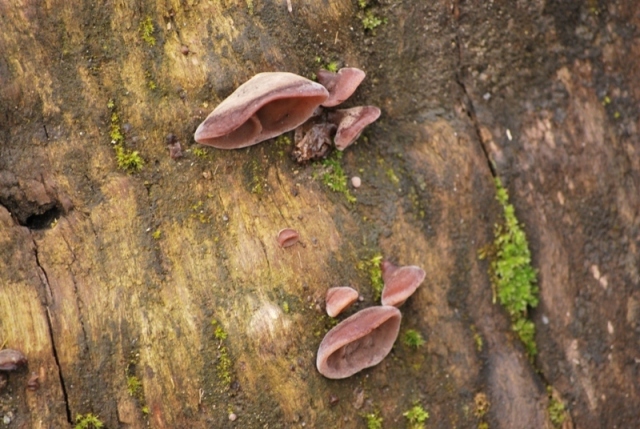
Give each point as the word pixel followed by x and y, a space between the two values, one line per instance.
pixel 287 237
pixel 358 342
pixel 339 298
pixel 351 122
pixel 341 85
pixel 399 282
pixel 11 359
pixel 265 106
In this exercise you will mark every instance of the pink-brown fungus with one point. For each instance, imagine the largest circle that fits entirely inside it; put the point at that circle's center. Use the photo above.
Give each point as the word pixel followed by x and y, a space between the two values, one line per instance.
pixel 358 342
pixel 265 106
pixel 400 282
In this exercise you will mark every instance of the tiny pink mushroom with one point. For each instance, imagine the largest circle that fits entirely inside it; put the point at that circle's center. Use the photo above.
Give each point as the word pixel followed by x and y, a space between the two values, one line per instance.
pixel 399 282
pixel 341 85
pixel 356 181
pixel 339 298
pixel 287 237
pixel 351 123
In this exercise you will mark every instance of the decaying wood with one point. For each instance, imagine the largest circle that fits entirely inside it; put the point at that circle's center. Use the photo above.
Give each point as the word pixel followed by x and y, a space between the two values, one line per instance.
pixel 109 279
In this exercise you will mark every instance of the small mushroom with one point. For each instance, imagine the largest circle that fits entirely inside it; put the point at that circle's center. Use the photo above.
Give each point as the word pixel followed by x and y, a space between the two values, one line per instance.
pixel 340 85
pixel 265 106
pixel 287 237
pixel 11 360
pixel 399 282
pixel 339 298
pixel 351 122
pixel 33 383
pixel 358 342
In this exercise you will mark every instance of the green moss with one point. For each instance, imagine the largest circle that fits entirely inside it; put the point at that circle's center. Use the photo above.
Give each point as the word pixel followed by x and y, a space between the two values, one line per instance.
pixel 416 417
pixel 88 421
pixel 199 152
pixel 146 31
pixel 335 178
pixel 513 279
pixel 371 22
pixel 127 160
pixel 556 409
pixel 373 268
pixel 392 176
pixel 483 425
pixel 413 339
pixel 332 66
pixel 224 365
pixel 134 386
pixel 373 420
pixel 363 3
pixel 156 234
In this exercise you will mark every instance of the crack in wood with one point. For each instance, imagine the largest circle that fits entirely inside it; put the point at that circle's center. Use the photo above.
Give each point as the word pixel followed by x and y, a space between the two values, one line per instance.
pixel 471 111
pixel 45 279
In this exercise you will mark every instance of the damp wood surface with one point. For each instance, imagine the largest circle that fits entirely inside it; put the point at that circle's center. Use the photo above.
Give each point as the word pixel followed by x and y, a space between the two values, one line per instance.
pixel 161 298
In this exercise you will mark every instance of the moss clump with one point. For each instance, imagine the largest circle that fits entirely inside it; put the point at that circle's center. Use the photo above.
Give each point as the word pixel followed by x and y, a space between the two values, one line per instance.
pixel 413 339
pixel 332 66
pixel 373 268
pixel 134 386
pixel 129 161
pixel 334 176
pixel 224 365
pixel 556 409
pixel 156 234
pixel 88 421
pixel 513 279
pixel 416 417
pixel 371 22
pixel 146 31
pixel 199 152
pixel 373 420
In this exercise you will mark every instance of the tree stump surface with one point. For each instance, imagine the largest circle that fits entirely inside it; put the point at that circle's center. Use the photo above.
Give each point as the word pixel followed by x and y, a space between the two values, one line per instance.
pixel 161 298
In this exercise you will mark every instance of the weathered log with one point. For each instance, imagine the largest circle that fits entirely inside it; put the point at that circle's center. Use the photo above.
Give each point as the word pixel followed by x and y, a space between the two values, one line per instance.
pixel 161 298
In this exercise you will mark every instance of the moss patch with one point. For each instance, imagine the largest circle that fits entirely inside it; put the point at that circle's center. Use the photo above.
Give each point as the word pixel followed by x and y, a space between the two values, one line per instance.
pixel 416 417
pixel 334 176
pixel 513 279
pixel 146 29
pixel 88 421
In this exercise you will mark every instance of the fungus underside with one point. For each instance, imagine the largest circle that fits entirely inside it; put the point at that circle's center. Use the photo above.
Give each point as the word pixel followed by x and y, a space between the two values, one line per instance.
pixel 513 279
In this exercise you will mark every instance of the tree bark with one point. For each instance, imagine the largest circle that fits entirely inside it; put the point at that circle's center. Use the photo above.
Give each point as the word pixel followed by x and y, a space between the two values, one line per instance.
pixel 161 298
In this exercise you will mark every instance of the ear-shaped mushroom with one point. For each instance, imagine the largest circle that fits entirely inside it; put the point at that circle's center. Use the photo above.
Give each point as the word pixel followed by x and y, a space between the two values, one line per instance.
pixel 265 106
pixel 399 282
pixel 358 342
pixel 351 122
pixel 287 237
pixel 339 298
pixel 340 85
pixel 11 359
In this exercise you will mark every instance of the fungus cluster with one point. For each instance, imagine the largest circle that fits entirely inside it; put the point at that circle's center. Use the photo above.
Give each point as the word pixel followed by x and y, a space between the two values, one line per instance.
pixel 273 103
pixel 366 337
